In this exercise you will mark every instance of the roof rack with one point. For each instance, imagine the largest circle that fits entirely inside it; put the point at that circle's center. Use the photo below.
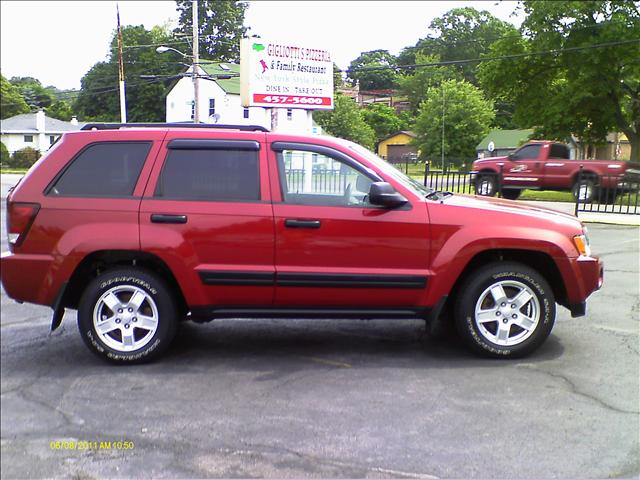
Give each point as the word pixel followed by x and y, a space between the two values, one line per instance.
pixel 115 126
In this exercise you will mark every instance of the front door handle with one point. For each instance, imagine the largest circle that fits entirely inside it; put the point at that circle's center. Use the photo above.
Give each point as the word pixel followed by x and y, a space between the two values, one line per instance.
pixel 294 223
pixel 165 218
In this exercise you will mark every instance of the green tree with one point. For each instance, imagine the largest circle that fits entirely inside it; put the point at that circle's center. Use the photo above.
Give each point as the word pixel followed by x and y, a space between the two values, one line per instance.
pixel 383 120
pixel 4 155
pixel 11 101
pixel 346 121
pixel 33 92
pixel 338 82
pixel 61 110
pixel 24 158
pixel 415 83
pixel 587 92
pixel 460 34
pixel 98 99
pixel 467 117
pixel 221 27
pixel 384 78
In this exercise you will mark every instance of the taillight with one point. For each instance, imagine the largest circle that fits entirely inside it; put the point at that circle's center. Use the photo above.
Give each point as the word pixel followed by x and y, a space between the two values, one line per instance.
pixel 20 216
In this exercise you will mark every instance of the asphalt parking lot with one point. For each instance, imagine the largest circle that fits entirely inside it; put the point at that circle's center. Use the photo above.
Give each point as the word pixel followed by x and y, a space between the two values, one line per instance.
pixel 339 399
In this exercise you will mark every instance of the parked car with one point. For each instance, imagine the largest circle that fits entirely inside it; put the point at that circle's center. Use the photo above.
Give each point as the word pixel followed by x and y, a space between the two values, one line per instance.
pixel 544 165
pixel 140 228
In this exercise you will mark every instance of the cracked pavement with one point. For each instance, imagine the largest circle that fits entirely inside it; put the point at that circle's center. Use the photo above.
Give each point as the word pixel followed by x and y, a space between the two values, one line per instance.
pixel 339 399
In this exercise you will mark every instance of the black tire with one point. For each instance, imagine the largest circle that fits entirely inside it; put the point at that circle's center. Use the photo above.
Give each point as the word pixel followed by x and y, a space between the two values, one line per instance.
pixel 150 326
pixel 511 193
pixel 584 189
pixel 486 185
pixel 478 328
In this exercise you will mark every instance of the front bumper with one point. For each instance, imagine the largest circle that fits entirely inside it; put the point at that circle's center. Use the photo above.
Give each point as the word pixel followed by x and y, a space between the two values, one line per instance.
pixel 582 276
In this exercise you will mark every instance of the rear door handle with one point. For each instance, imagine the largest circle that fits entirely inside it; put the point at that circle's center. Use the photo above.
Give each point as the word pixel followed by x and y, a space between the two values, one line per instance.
pixel 294 223
pixel 165 218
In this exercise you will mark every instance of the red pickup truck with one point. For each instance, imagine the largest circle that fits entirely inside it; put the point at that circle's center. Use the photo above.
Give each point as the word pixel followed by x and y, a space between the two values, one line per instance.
pixel 545 165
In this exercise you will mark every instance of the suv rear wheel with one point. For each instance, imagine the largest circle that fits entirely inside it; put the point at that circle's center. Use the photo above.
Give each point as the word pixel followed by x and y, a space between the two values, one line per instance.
pixel 127 316
pixel 505 309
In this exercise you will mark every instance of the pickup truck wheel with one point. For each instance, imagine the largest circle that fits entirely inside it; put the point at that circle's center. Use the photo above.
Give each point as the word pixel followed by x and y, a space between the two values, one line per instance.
pixel 127 316
pixel 485 185
pixel 505 310
pixel 583 190
pixel 511 193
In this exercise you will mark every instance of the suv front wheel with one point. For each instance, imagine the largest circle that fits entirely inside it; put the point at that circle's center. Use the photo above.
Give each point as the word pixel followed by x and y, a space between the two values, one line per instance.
pixel 127 316
pixel 505 310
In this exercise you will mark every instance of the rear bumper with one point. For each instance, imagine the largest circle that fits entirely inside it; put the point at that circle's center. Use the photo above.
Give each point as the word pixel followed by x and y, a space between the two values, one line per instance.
pixel 28 277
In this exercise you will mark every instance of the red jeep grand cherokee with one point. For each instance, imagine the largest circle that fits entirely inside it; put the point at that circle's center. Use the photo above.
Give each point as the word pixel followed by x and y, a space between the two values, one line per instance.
pixel 140 228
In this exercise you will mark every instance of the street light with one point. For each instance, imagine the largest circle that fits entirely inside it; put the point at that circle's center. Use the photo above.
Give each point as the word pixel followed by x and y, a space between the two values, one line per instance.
pixel 196 89
pixel 163 49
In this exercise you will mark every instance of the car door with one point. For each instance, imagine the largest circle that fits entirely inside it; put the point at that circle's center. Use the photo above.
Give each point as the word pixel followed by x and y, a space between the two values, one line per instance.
pixel 524 167
pixel 207 214
pixel 333 248
pixel 558 168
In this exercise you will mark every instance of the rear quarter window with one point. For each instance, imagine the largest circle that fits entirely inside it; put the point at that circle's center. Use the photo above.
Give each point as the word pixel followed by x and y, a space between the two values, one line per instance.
pixel 109 169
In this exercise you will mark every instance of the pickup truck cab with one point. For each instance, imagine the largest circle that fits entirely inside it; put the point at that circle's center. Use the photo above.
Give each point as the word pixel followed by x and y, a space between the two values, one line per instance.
pixel 544 165
pixel 142 227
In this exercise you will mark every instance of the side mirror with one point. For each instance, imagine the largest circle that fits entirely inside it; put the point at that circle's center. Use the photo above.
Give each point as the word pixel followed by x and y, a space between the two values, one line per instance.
pixel 384 195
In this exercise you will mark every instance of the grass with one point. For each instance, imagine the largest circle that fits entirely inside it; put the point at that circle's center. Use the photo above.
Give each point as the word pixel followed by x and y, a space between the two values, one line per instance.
pixel 13 170
pixel 547 196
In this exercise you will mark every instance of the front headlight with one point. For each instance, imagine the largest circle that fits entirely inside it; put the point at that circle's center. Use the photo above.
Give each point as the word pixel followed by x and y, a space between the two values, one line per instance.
pixel 582 243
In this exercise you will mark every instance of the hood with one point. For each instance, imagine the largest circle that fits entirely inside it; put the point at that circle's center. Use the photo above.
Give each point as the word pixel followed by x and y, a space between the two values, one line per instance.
pixel 490 159
pixel 499 211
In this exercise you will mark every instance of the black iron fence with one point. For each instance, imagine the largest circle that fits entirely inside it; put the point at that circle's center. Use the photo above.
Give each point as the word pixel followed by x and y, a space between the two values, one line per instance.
pixel 463 181
pixel 591 193
pixel 327 181
pixel 607 193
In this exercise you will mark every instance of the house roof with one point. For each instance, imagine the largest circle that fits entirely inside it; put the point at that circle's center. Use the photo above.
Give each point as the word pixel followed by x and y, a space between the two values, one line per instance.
pixel 26 123
pixel 405 132
pixel 231 85
pixel 505 139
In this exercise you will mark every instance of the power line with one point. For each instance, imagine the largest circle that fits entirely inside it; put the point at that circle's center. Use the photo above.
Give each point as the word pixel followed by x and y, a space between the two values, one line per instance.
pixel 493 39
pixel 181 42
pixel 488 59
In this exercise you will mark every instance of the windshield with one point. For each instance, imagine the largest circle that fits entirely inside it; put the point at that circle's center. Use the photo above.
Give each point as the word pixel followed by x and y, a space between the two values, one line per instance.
pixel 390 170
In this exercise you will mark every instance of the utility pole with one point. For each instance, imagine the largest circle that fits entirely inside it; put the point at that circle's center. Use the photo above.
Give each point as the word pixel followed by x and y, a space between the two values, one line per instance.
pixel 196 62
pixel 123 98
pixel 443 110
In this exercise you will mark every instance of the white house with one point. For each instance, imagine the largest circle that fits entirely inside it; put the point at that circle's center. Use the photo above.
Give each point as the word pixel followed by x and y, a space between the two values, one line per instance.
pixel 219 102
pixel 34 130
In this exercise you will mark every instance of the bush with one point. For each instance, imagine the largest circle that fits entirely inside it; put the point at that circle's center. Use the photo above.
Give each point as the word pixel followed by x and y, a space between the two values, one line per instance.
pixel 24 158
pixel 5 158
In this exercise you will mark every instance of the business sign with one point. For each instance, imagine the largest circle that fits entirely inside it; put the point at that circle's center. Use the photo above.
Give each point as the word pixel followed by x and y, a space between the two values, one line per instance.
pixel 287 75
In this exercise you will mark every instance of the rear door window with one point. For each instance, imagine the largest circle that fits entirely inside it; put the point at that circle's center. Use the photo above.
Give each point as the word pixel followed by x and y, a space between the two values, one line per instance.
pixel 210 175
pixel 108 169
pixel 559 152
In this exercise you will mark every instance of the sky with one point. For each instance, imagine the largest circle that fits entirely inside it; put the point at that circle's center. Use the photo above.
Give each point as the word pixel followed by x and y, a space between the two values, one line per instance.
pixel 57 42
